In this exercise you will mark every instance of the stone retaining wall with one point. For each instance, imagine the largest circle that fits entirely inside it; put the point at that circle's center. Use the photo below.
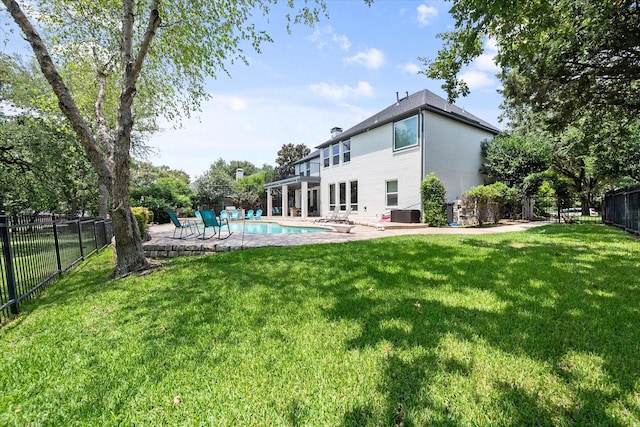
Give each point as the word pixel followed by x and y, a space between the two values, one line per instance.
pixel 172 251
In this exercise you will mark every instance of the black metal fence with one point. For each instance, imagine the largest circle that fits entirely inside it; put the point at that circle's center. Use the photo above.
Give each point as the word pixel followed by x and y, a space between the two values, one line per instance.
pixel 622 208
pixel 36 252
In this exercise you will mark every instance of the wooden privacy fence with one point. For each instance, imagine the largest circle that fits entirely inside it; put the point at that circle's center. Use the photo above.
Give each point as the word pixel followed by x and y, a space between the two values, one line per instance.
pixel 622 208
pixel 36 252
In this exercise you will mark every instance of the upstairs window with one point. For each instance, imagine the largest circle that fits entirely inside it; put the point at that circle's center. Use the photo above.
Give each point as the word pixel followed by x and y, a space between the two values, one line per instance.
pixel 335 150
pixel 346 151
pixel 405 133
pixel 325 156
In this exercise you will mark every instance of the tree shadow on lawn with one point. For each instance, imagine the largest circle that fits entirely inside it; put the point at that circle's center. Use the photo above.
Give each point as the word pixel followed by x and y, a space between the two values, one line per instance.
pixel 431 302
pixel 558 306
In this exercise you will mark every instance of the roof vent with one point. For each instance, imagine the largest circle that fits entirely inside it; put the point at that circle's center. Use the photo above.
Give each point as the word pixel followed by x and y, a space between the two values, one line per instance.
pixel 335 132
pixel 403 98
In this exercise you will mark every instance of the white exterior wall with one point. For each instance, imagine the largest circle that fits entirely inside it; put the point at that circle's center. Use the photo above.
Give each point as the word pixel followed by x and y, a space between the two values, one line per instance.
pixel 453 153
pixel 372 164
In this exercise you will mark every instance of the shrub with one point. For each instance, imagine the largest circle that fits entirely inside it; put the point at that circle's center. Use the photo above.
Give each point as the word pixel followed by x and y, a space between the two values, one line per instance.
pixel 489 201
pixel 142 216
pixel 433 208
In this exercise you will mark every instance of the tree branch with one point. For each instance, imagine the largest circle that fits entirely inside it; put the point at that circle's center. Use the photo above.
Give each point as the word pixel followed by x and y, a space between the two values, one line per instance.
pixel 65 100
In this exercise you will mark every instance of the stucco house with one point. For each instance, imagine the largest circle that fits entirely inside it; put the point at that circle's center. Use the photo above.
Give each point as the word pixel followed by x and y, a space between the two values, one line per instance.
pixel 377 165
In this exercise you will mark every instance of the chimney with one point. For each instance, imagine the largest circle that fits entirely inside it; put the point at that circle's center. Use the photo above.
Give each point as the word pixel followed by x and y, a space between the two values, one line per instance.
pixel 335 132
pixel 239 173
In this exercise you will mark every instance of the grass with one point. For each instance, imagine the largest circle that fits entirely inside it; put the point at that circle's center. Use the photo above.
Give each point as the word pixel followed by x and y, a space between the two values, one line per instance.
pixel 531 328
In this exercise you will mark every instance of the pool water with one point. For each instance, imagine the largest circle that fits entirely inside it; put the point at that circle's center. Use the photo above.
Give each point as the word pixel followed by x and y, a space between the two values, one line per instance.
pixel 271 228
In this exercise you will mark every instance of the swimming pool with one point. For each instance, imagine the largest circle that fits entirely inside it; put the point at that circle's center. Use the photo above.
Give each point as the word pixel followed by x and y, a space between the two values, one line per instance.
pixel 271 228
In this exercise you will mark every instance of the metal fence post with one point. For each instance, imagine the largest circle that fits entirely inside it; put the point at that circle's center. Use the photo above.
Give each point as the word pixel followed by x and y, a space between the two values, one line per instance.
pixel 80 238
pixel 57 243
pixel 8 261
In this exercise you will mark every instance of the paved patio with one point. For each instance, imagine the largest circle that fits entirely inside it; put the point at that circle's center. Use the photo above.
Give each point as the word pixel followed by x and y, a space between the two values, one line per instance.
pixel 163 245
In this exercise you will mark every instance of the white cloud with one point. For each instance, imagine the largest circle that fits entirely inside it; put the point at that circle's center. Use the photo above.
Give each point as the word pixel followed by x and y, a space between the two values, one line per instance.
pixel 476 79
pixel 481 72
pixel 486 61
pixel 342 41
pixel 234 103
pixel 326 35
pixel 409 67
pixel 341 92
pixel 426 14
pixel 273 117
pixel 371 59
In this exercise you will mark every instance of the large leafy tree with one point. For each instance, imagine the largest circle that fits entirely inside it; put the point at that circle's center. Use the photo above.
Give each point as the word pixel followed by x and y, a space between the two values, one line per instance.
pixel 287 156
pixel 512 156
pixel 42 168
pixel 213 186
pixel 248 191
pixel 165 45
pixel 145 173
pixel 560 57
pixel 160 188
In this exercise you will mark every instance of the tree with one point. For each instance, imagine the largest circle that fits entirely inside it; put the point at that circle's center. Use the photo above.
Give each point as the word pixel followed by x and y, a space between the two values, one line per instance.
pixel 144 174
pixel 213 187
pixel 159 188
pixel 558 57
pixel 195 40
pixel 248 191
pixel 42 168
pixel 511 157
pixel 287 156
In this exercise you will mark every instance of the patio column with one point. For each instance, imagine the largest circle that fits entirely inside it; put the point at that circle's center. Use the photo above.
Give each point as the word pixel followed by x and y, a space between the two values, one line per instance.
pixel 285 200
pixel 304 194
pixel 269 203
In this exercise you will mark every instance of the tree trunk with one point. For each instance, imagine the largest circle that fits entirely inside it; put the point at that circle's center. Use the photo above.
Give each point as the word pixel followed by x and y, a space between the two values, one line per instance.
pixel 103 200
pixel 130 254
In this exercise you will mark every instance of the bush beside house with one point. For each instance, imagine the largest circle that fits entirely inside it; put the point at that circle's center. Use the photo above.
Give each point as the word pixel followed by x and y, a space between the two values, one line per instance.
pixel 433 197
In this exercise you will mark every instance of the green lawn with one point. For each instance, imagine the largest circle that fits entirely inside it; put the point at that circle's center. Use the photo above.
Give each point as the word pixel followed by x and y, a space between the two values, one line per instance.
pixel 533 328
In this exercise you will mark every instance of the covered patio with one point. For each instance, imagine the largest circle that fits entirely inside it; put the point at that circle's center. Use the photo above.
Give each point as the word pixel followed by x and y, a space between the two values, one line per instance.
pixel 300 196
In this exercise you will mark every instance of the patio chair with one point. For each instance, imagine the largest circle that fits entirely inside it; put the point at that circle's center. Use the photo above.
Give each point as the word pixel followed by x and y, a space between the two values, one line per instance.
pixel 184 227
pixel 258 214
pixel 342 217
pixel 249 214
pixel 331 217
pixel 211 221
pixel 224 215
pixel 235 214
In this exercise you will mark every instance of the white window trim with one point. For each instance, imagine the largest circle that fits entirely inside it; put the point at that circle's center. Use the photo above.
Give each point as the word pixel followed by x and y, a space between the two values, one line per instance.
pixel 418 135
pixel 386 193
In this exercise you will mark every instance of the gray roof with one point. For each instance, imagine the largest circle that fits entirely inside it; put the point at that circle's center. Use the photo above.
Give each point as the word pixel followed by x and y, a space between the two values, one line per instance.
pixel 313 155
pixel 408 106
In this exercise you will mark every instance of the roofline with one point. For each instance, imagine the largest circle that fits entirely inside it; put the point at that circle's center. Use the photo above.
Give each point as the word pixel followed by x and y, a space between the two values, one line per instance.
pixel 449 114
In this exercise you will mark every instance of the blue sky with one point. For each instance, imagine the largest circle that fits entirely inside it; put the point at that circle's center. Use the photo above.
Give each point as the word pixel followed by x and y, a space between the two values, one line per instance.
pixel 338 73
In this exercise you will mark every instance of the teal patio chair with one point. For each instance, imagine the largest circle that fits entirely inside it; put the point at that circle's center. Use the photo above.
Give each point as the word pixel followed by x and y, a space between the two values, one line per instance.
pixel 258 214
pixel 210 220
pixel 249 214
pixel 224 215
pixel 235 214
pixel 184 227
